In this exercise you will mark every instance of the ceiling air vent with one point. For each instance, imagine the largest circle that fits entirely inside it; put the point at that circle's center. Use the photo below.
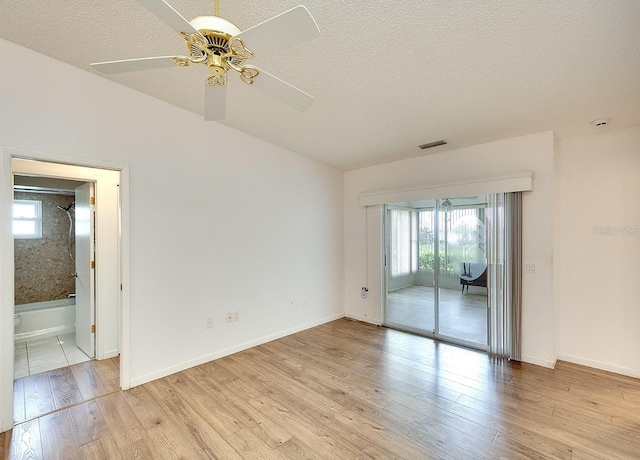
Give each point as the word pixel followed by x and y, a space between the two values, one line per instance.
pixel 433 144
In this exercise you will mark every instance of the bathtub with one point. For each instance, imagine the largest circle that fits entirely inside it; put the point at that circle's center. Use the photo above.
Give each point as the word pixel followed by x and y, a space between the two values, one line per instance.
pixel 46 319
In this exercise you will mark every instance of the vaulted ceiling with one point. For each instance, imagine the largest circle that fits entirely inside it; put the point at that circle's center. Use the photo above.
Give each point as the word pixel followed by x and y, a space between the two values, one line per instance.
pixel 386 76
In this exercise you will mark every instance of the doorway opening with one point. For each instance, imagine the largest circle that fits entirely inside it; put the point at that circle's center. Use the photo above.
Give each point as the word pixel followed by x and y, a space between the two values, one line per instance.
pixel 436 269
pixel 53 288
pixel 70 344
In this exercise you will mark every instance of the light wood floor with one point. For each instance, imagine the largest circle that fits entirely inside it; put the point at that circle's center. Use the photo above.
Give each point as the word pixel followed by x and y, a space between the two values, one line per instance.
pixel 462 316
pixel 350 390
pixel 47 392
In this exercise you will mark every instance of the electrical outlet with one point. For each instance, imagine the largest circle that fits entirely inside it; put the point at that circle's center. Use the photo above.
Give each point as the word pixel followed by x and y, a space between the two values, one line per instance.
pixel 209 322
pixel 363 292
pixel 233 316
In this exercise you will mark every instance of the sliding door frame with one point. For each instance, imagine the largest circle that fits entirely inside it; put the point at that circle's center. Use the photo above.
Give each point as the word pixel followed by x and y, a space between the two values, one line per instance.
pixel 386 274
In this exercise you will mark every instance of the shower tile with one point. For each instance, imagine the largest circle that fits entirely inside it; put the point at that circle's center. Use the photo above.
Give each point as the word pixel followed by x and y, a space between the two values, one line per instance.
pixel 46 353
pixel 47 367
pixel 20 353
pixel 20 366
pixel 44 358
pixel 20 372
pixel 67 340
pixel 50 343
pixel 77 358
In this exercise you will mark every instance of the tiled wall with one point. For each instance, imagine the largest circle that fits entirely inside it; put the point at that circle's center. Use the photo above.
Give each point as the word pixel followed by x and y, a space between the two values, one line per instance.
pixel 43 269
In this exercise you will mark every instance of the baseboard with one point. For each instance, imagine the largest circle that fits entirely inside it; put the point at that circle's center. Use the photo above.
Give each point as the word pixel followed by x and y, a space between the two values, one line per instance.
pixel 110 354
pixel 599 365
pixel 364 319
pixel 229 351
pixel 549 363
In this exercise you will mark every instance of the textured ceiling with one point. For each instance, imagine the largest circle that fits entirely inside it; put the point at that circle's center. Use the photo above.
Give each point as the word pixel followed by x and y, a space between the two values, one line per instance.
pixel 387 76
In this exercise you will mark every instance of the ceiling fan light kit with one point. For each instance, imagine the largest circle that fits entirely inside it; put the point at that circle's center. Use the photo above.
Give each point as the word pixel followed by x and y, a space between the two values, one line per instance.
pixel 220 45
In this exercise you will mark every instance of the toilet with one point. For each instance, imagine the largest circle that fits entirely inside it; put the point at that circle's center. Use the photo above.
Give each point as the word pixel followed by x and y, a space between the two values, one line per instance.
pixel 17 320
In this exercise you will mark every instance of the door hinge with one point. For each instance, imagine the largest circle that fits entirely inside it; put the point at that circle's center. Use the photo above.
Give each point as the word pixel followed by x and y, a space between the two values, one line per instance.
pixel 92 200
pixel 93 328
pixel 93 264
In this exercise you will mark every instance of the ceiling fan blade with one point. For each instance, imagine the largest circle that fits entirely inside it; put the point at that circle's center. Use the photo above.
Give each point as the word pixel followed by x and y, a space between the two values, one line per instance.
pixel 168 15
pixel 282 91
pixel 287 29
pixel 215 102
pixel 130 65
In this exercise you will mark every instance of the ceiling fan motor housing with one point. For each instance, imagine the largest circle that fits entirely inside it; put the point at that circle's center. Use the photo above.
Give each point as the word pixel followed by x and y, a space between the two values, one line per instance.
pixel 218 31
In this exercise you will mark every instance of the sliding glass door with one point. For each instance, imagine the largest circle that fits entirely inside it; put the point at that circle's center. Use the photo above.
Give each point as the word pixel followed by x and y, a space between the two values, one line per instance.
pixel 462 277
pixel 436 269
pixel 410 304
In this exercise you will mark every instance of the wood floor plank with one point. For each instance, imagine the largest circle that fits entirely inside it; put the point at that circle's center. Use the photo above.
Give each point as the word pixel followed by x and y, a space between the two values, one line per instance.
pixel 19 411
pixel 5 442
pixel 108 372
pixel 123 425
pixel 347 425
pixel 206 404
pixel 205 437
pixel 25 441
pixel 512 448
pixel 161 388
pixel 58 434
pixel 64 388
pixel 37 395
pixel 88 381
pixel 89 423
pixel 250 446
pixel 104 448
pixel 164 433
pixel 296 450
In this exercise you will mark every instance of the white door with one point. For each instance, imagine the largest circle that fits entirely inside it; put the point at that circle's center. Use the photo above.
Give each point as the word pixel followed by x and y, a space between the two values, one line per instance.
pixel 85 280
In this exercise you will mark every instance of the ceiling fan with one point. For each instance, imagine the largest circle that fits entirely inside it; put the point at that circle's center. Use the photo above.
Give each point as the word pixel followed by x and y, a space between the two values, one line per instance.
pixel 221 46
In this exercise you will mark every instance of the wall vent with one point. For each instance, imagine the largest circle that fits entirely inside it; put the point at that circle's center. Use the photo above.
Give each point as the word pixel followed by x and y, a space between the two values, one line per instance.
pixel 433 144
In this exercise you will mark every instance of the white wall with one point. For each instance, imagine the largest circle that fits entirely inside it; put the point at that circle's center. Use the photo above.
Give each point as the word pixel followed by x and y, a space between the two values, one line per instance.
pixel 253 227
pixel 598 306
pixel 533 152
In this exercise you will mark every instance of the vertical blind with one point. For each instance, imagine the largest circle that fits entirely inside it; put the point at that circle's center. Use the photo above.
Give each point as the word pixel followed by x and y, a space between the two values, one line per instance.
pixel 504 256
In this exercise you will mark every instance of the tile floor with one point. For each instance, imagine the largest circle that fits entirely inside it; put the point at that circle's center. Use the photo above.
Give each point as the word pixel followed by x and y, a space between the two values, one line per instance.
pixel 44 355
pixel 462 316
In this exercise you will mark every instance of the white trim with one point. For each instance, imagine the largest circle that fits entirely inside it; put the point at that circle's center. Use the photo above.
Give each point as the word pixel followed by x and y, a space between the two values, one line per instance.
pixel 364 319
pixel 125 280
pixel 516 182
pixel 111 354
pixel 229 351
pixel 62 159
pixel 599 365
pixel 6 292
pixel 548 363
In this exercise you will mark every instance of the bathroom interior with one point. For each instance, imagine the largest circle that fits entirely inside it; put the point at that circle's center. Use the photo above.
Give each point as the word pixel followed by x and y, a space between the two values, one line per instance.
pixel 45 268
